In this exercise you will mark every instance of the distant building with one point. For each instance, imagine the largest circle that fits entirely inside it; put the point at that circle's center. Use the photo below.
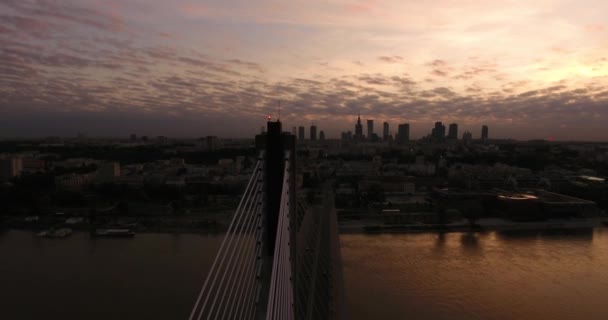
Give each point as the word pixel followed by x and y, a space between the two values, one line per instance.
pixel 385 131
pixel 359 129
pixel 73 182
pixel 453 132
pixel 33 165
pixel 322 135
pixel 294 131
pixel 438 131
pixel 133 137
pixel 347 136
pixel 484 133
pixel 107 172
pixel 370 129
pixel 467 136
pixel 213 143
pixel 403 134
pixel 313 133
pixel 301 133
pixel 10 167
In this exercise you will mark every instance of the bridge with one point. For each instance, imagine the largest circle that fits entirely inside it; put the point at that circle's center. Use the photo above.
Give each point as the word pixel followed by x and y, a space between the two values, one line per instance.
pixel 280 258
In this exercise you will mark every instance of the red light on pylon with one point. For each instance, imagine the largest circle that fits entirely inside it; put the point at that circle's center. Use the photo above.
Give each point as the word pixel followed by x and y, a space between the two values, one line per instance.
pixel 269 117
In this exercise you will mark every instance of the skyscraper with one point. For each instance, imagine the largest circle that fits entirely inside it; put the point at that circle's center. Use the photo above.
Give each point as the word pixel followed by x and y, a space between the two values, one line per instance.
pixel 370 129
pixel 313 133
pixel 321 135
pixel 453 132
pixel 403 135
pixel 385 131
pixel 467 136
pixel 359 129
pixel 301 133
pixel 484 133
pixel 438 131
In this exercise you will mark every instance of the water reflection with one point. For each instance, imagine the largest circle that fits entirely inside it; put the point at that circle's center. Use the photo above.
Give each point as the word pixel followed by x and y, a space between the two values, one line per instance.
pixel 527 274
pixel 470 241
pixel 579 234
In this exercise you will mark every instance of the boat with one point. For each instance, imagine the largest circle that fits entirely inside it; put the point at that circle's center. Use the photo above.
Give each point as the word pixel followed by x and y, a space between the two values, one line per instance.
pixel 55 233
pixel 113 232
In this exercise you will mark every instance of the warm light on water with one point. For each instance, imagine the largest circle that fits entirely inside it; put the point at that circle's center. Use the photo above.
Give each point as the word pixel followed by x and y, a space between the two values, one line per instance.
pixel 523 275
pixel 515 275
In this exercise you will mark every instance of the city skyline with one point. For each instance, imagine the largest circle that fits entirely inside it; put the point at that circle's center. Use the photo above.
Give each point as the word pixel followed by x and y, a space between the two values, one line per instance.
pixel 185 69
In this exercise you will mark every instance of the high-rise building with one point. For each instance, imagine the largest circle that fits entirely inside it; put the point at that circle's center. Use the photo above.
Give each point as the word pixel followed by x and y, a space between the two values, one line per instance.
pixel 301 133
pixel 484 133
pixel 403 134
pixel 10 167
pixel 385 131
pixel 321 135
pixel 313 133
pixel 359 129
pixel 294 131
pixel 467 136
pixel 370 129
pixel 438 131
pixel 453 132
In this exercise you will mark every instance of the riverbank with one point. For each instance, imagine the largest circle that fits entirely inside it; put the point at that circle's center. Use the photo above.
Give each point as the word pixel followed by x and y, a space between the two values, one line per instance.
pixel 490 224
pixel 137 224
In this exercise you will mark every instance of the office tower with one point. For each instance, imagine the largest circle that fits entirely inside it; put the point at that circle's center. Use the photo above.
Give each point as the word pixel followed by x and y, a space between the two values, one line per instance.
pixel 370 129
pixel 403 133
pixel 385 131
pixel 453 132
pixel 359 129
pixel 301 134
pixel 321 135
pixel 467 136
pixel 438 131
pixel 313 133
pixel 484 133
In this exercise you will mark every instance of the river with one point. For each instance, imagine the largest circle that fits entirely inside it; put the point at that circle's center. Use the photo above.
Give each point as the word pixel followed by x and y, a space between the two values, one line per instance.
pixel 507 275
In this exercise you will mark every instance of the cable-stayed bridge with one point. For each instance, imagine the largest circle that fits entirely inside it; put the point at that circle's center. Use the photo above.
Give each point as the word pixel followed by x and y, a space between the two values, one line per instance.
pixel 280 258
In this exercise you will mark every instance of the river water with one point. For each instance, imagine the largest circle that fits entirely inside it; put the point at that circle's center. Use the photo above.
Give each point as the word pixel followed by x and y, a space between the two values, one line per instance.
pixel 516 275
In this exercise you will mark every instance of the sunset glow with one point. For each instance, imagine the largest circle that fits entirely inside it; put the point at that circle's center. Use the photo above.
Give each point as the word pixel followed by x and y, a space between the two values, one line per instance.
pixel 528 69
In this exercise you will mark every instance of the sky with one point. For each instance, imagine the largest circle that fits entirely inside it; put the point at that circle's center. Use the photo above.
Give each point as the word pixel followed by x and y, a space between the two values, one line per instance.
pixel 533 69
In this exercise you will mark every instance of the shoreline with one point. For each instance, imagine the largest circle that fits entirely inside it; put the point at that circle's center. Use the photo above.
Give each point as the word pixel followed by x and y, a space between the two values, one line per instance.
pixel 483 225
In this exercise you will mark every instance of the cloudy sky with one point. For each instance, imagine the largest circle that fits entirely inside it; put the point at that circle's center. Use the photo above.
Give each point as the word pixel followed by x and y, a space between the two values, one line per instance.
pixel 528 69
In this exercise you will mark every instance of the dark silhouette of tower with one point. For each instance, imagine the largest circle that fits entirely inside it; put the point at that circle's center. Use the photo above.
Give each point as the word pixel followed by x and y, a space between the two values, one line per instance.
pixel 321 135
pixel 385 131
pixel 313 133
pixel 438 131
pixel 370 129
pixel 301 133
pixel 453 132
pixel 359 129
pixel 484 133
pixel 403 135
